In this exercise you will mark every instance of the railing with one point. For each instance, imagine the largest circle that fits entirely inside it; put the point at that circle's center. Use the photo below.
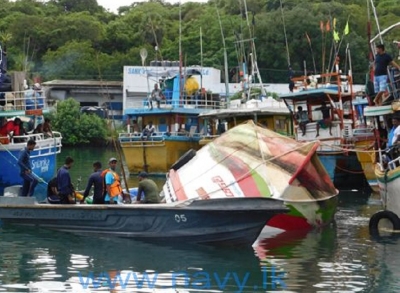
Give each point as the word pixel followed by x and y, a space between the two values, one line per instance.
pixel 186 102
pixel 44 144
pixel 338 81
pixel 157 136
pixel 394 79
pixel 28 100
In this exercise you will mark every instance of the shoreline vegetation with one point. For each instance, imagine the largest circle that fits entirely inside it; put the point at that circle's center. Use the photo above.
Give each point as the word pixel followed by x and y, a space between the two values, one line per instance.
pixel 82 40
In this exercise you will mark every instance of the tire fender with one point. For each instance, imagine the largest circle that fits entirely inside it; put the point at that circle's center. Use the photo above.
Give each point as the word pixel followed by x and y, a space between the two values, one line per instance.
pixel 392 217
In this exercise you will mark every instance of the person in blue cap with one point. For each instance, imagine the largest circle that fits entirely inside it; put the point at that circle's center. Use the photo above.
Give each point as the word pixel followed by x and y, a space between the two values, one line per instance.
pixel 148 188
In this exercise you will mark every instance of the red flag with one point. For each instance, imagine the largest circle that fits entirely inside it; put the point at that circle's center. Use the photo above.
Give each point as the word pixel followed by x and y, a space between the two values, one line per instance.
pixel 328 26
pixel 308 38
pixel 321 26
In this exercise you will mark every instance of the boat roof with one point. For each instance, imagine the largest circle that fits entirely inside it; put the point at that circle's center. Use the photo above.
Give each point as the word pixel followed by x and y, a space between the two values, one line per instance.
pixel 377 110
pixel 311 94
pixel 172 73
pixel 245 112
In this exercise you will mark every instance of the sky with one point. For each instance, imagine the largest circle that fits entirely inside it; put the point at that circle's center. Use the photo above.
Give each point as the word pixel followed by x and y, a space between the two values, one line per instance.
pixel 113 5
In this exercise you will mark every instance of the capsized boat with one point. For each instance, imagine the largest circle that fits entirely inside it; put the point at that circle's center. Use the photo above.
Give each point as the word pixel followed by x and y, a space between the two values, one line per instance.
pixel 217 221
pixel 252 161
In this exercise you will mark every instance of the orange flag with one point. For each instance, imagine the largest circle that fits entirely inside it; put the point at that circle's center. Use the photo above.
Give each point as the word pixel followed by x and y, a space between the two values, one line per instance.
pixel 328 26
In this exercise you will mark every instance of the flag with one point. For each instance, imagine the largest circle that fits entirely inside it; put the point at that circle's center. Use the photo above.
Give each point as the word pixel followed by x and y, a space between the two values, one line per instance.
pixel 328 26
pixel 334 23
pixel 336 36
pixel 346 28
pixel 308 38
pixel 321 26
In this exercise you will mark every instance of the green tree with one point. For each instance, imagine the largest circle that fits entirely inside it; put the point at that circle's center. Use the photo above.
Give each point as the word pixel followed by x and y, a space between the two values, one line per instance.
pixel 77 128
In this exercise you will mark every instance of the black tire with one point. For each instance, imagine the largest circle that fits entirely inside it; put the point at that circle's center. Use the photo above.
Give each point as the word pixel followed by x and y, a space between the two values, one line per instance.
pixel 183 159
pixel 374 221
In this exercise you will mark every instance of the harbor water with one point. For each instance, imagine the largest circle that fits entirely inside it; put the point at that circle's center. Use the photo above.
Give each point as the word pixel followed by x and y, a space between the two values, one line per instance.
pixel 342 257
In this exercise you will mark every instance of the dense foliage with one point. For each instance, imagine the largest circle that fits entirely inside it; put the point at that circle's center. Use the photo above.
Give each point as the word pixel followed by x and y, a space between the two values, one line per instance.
pixel 78 39
pixel 78 128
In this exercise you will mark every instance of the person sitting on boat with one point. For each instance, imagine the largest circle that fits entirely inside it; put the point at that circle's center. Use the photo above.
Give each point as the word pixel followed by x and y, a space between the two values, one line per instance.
pixel 113 183
pixel 148 188
pixel 65 188
pixel 302 118
pixel 135 127
pixel 326 118
pixel 11 128
pixel 156 96
pixel 96 180
pixel 38 129
pixel 52 192
pixel 382 61
pixel 394 136
pixel 148 130
pixel 47 128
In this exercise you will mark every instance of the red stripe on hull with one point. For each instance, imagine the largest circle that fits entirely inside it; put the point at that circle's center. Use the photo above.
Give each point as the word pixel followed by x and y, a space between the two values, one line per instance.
pixel 288 222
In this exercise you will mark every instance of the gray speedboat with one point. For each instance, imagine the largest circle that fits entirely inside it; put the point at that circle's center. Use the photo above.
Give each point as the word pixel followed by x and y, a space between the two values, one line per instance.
pixel 215 221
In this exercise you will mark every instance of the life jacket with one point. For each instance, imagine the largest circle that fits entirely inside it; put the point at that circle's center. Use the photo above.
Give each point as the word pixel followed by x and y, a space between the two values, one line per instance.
pixel 115 188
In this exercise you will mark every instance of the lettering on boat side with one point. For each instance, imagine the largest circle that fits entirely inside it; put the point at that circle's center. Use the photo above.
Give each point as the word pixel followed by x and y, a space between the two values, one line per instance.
pixel 41 165
pixel 50 214
pixel 269 278
pixel 224 187
pixel 180 218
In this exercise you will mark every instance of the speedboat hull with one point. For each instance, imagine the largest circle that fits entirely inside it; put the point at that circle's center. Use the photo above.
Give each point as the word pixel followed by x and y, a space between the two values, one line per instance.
pixel 43 159
pixel 219 221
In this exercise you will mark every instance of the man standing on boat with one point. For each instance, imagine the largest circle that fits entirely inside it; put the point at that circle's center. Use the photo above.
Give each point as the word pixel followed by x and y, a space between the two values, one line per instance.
pixel 382 61
pixel 156 96
pixel 96 180
pixel 25 165
pixel 113 183
pixel 148 188
pixel 64 184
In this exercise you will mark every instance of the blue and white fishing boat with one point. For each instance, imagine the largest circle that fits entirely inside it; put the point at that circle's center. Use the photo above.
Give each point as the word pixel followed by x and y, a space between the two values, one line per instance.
pixel 16 100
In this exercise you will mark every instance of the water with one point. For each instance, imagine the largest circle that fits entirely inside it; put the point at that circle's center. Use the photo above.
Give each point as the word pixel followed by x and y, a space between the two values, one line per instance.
pixel 339 258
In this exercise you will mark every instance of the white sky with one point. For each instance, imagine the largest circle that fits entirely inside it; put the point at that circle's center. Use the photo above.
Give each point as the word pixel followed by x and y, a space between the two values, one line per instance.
pixel 113 5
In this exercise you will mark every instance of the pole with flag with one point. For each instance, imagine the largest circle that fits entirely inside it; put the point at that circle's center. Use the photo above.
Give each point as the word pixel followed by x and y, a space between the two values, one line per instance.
pixel 312 52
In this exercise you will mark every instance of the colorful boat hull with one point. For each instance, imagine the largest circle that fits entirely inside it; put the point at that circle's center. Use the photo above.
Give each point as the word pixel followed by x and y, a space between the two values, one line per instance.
pixel 251 161
pixel 389 187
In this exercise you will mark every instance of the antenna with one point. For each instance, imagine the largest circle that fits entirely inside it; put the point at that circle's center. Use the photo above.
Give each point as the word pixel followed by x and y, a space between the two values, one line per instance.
pixel 143 55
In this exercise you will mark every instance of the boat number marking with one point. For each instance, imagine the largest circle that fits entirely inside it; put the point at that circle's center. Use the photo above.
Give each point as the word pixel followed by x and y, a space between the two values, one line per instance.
pixel 180 218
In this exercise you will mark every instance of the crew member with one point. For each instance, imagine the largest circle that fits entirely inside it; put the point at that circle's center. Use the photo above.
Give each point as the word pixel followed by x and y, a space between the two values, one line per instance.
pixel 148 188
pixel 96 180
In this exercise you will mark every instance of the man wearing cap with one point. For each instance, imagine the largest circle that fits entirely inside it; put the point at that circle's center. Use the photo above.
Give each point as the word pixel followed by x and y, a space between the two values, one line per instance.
pixel 148 188
pixel 113 183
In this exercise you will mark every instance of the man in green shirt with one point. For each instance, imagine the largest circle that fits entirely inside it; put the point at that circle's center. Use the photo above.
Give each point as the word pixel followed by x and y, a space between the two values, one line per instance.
pixel 149 189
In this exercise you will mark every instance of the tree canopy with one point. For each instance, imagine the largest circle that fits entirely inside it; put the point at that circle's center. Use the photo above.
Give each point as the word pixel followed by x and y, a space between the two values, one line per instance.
pixel 78 39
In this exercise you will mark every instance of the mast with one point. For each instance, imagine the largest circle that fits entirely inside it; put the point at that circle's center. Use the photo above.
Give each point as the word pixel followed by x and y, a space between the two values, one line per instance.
pixel 225 57
pixel 180 50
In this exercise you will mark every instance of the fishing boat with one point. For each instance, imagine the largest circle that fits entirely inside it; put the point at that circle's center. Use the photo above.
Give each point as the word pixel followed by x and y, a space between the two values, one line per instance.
pixel 216 221
pixel 252 161
pixel 177 126
pixel 341 135
pixel 17 101
pixel 267 112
